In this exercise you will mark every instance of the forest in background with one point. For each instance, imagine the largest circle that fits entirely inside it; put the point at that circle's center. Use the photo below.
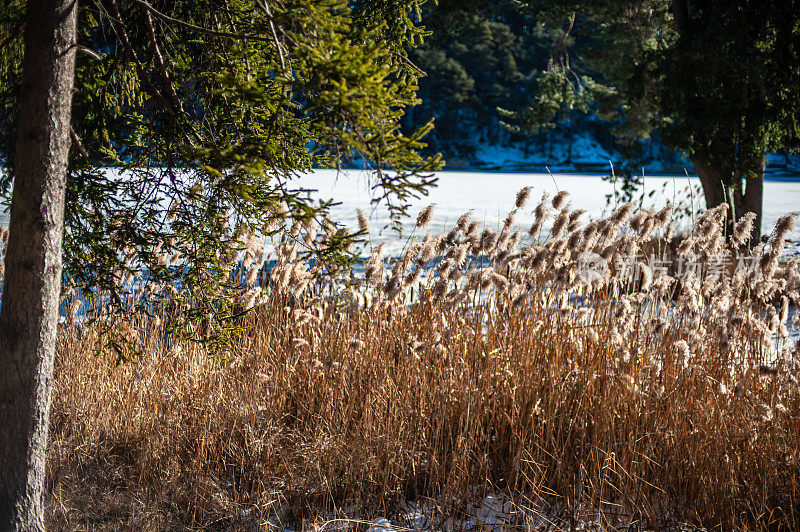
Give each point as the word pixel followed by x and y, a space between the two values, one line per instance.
pixel 482 58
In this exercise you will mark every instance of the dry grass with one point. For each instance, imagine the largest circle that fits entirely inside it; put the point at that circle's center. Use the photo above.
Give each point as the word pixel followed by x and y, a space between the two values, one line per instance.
pixel 673 404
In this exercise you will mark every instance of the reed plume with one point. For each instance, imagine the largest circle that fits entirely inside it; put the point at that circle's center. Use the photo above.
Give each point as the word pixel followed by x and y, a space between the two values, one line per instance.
pixel 474 361
pixel 425 216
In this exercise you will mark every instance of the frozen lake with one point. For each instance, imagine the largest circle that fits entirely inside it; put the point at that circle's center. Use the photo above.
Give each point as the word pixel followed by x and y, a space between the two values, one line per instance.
pixel 491 196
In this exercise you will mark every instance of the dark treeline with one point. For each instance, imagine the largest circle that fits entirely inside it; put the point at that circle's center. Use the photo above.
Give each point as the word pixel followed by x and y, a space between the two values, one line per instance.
pixel 484 61
pixel 481 59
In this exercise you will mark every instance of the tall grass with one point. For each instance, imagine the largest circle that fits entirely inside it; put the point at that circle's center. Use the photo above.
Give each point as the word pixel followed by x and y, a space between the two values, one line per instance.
pixel 478 361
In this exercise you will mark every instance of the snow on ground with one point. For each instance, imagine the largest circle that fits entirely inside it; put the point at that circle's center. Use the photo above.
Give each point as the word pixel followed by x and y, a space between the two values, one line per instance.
pixel 490 196
pixel 488 513
pixel 587 155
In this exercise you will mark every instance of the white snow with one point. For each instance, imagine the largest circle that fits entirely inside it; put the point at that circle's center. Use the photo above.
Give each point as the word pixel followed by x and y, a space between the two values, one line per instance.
pixel 492 512
pixel 491 195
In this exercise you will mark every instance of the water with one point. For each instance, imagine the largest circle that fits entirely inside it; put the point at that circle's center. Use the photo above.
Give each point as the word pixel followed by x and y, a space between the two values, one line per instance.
pixel 491 195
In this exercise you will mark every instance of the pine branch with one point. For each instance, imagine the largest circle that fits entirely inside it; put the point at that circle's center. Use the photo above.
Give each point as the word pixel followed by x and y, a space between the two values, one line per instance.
pixel 200 29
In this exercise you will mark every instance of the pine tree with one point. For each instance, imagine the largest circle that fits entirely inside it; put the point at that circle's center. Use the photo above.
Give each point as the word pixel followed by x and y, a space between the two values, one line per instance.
pixel 208 111
pixel 720 81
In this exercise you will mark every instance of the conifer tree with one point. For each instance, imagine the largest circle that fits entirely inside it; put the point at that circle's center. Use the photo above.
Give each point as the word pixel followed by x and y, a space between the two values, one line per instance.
pixel 190 123
pixel 719 81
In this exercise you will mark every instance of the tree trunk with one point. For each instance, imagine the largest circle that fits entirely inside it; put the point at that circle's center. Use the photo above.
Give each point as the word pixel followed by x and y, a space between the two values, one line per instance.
pixel 29 311
pixel 713 177
pixel 753 197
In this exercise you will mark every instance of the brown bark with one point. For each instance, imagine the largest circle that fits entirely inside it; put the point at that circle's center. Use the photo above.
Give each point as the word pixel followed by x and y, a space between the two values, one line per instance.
pixel 29 311
pixel 753 197
pixel 713 176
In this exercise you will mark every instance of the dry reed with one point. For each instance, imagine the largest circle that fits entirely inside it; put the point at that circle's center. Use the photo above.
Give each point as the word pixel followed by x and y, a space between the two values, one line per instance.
pixel 498 368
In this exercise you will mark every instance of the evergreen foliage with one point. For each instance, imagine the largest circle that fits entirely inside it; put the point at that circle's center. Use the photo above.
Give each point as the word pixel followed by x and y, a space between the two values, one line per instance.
pixel 720 81
pixel 211 109
pixel 485 61
pixel 478 58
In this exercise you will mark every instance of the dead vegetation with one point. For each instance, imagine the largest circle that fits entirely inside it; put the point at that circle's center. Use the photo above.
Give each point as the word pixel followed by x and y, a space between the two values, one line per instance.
pixel 478 361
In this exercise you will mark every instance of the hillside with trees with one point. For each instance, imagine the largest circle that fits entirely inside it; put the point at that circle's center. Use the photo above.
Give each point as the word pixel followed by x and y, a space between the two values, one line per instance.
pixel 483 62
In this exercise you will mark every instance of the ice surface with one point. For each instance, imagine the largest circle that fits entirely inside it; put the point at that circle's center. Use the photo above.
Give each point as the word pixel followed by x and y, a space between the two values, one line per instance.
pixel 490 196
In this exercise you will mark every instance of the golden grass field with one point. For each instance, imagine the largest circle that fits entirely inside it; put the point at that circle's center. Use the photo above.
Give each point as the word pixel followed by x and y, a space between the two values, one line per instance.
pixel 650 403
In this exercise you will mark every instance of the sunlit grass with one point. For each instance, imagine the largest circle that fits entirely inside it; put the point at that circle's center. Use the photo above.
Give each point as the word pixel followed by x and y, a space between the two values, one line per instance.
pixel 476 362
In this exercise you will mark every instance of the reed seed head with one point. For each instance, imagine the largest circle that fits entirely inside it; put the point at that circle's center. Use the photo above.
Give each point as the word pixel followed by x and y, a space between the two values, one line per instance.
pixel 425 216
pixel 559 199
pixel 522 197
pixel 363 221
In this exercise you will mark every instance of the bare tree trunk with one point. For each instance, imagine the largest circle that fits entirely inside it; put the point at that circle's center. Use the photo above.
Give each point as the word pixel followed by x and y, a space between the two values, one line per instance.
pixel 753 198
pixel 29 311
pixel 711 177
